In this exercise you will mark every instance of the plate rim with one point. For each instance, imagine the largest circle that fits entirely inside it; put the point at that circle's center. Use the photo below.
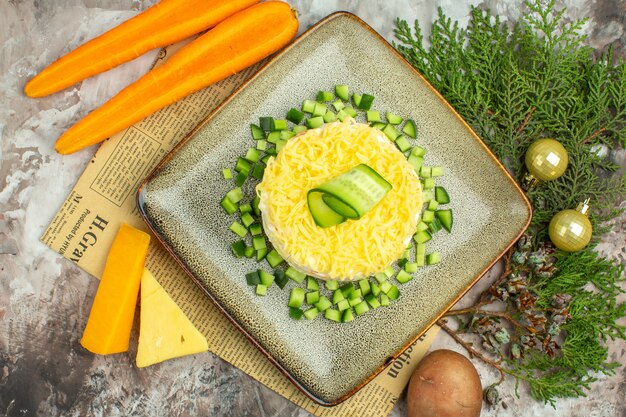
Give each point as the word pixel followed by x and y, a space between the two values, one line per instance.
pixel 139 200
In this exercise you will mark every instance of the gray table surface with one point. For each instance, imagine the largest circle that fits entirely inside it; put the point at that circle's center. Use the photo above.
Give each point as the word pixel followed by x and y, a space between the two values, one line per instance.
pixel 45 299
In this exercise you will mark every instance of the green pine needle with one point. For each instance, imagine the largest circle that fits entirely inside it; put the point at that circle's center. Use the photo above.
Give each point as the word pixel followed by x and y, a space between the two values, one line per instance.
pixel 515 84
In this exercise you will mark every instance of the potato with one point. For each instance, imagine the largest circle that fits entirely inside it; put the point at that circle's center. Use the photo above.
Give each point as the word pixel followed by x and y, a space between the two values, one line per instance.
pixel 444 384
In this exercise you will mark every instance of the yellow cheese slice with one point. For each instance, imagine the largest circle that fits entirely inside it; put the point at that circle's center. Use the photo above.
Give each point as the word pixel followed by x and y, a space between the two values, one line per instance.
pixel 164 331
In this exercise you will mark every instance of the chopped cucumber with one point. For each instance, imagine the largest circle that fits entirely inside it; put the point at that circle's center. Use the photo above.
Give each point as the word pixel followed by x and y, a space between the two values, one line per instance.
pixel 425 172
pixel 331 285
pixel 410 267
pixel 343 305
pixel 384 300
pixel 257 132
pixel 243 165
pixel 356 99
pixel 361 308
pixel 311 313
pixel 274 137
pixel 422 237
pixel 238 248
pixel 433 205
pixel 266 278
pixel 308 106
pixel 314 122
pixel 256 229
pixel 393 118
pixel 319 110
pixel 372 301
pixel 378 125
pixel 428 216
pixel 436 171
pixel 343 92
pixel 240 179
pixel 418 151
pixel 228 206
pixel 433 258
pixel 257 171
pixel 366 102
pixel 403 277
pixel 381 277
pixel 312 284
pixel 253 278
pixel 350 111
pixel 238 229
pixel 280 124
pixel 420 254
pixel 323 303
pixel 334 315
pixel 266 123
pixel 375 290
pixel 416 162
pixel 410 128
pixel 274 259
pixel 342 115
pixel 330 117
pixel 391 132
pixel 445 217
pixel 338 296
pixel 295 116
pixel 296 297
pixel 441 195
pixel 235 195
pixel 249 252
pixel 299 129
pixel 247 219
pixel 402 143
pixel 261 145
pixel 286 134
pixel 429 183
pixel 255 205
pixel 261 254
pixel 421 226
pixel 434 226
pixel 385 287
pixel 338 105
pixel 280 278
pixel 295 313
pixel 295 275
pixel 312 297
pixel 389 271
pixel 261 290
pixel 258 243
pixel 324 96
pixel 227 173
pixel 364 286
pixel 347 316
pixel 393 293
pixel 354 301
pixel 253 155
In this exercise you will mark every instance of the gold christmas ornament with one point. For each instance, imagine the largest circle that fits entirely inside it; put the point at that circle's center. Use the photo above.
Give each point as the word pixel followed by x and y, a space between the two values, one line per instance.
pixel 546 160
pixel 570 230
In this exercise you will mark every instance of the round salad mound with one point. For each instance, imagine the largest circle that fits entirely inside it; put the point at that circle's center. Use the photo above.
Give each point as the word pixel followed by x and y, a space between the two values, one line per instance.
pixel 356 248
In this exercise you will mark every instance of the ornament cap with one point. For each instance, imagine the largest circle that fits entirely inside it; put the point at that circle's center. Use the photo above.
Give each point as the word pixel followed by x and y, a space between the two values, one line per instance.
pixel 584 207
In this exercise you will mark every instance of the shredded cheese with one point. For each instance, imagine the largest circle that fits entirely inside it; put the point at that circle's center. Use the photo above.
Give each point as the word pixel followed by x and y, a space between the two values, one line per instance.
pixel 355 248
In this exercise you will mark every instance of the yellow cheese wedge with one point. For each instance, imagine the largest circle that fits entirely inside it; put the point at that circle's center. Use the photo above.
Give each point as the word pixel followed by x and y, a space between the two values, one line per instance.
pixel 164 330
pixel 111 318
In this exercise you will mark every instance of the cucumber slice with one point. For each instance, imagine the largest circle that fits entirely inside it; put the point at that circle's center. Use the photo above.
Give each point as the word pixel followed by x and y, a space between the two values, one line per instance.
pixel 349 195
pixel 274 259
pixel 253 278
pixel 441 195
pixel 296 297
pixel 343 92
pixel 391 132
pixel 433 258
pixel 228 206
pixel 295 275
pixel 410 128
pixel 320 109
pixel 394 119
pixel 312 297
pixel 241 178
pixel 295 313
pixel 402 143
pixel 323 216
pixel 261 290
pixel 350 111
pixel 238 229
pixel 445 218
pixel 238 248
pixel 334 315
pixel 347 316
pixel 356 99
pixel 299 129
pixel 280 278
pixel 311 313
pixel 330 117
pixel 308 106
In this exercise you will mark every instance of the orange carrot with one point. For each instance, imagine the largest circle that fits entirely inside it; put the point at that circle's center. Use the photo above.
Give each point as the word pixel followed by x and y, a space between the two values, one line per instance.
pixel 165 23
pixel 234 44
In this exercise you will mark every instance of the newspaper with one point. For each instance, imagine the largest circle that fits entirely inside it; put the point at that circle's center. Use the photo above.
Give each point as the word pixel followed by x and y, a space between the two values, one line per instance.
pixel 104 198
